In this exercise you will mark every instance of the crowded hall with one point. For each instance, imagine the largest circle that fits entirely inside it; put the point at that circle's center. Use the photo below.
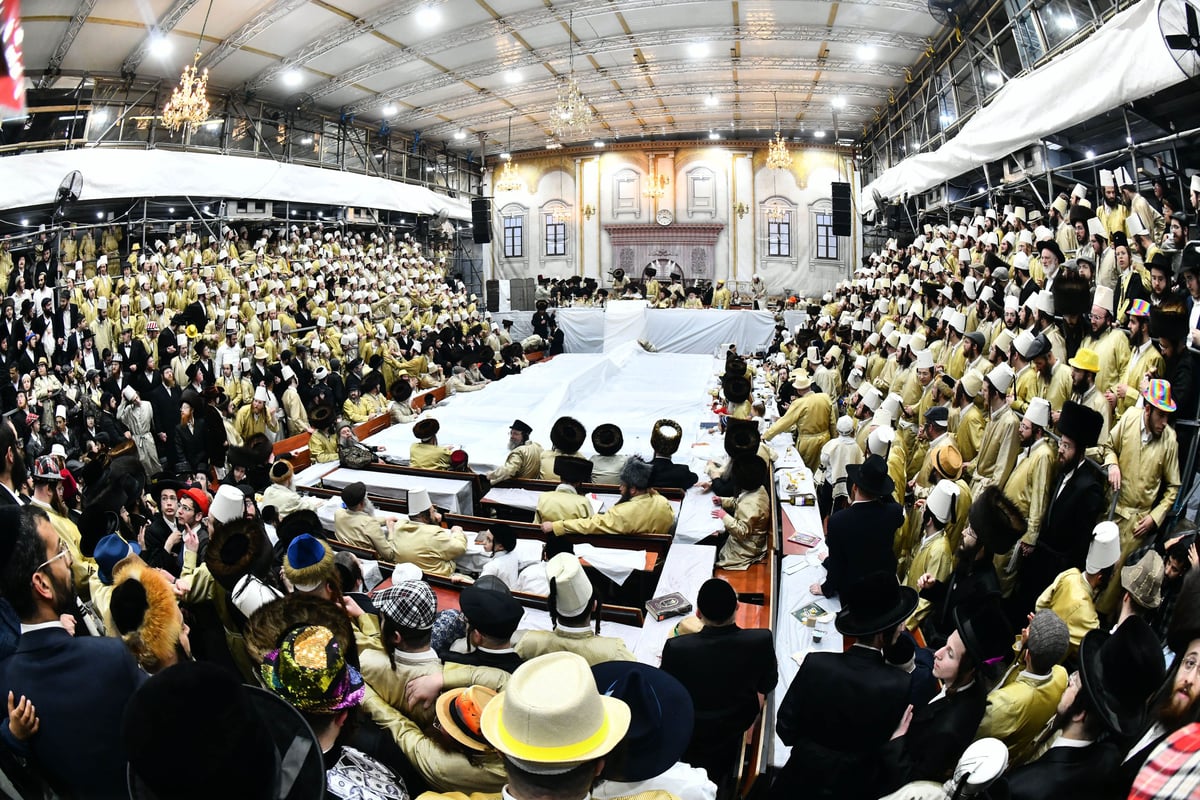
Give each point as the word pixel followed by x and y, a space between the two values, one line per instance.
pixel 592 400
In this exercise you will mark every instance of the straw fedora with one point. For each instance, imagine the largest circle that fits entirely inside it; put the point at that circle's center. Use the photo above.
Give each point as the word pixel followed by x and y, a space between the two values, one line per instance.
pixel 552 715
pixel 459 712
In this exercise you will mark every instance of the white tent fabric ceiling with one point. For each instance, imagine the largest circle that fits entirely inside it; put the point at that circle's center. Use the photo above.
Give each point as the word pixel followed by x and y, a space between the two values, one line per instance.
pixel 441 67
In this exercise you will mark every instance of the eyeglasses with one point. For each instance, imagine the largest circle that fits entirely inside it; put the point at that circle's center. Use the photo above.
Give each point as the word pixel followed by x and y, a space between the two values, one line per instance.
pixel 63 552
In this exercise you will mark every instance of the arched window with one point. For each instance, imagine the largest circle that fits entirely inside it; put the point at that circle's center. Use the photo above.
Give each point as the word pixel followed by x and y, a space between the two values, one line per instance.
pixel 556 228
pixel 827 246
pixel 513 217
pixel 701 192
pixel 778 215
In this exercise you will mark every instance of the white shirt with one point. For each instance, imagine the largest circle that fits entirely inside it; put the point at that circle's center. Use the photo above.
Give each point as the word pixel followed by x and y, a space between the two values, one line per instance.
pixel 41 626
pixel 504 566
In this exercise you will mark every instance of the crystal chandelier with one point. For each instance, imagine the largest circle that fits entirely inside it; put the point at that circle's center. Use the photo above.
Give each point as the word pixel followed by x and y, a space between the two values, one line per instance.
pixel 778 156
pixel 188 104
pixel 776 212
pixel 571 113
pixel 189 100
pixel 656 185
pixel 560 215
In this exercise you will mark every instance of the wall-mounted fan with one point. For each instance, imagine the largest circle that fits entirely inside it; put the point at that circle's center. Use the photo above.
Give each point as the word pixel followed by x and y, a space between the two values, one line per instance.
pixel 1179 23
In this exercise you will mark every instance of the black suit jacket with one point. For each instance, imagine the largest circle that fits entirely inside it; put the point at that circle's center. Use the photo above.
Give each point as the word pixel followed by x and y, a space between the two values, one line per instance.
pixel 80 687
pixel 837 716
pixel 860 541
pixel 666 473
pixel 191 447
pixel 1067 773
pixel 1066 531
pixel 939 733
pixel 724 669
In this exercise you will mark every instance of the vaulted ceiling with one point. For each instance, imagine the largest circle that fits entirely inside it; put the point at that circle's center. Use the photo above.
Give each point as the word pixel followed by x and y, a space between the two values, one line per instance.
pixel 455 69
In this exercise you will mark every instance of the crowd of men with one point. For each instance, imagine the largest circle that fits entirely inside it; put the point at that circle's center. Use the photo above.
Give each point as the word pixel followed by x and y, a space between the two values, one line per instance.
pixel 995 414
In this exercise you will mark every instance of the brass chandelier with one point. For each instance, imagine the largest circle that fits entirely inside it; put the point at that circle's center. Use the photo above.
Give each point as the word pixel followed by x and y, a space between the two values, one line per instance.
pixel 571 113
pixel 656 185
pixel 188 104
pixel 508 179
pixel 778 156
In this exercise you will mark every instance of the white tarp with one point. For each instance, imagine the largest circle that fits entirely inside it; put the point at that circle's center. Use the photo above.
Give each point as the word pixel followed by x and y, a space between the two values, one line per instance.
pixel 1125 60
pixel 624 387
pixel 31 179
pixel 670 330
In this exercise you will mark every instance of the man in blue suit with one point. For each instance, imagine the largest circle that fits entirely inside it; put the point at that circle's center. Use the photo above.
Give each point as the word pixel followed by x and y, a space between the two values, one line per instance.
pixel 78 686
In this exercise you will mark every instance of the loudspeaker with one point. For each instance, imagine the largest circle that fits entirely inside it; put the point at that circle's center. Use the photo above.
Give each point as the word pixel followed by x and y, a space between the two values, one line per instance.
pixel 841 209
pixel 481 220
pixel 492 293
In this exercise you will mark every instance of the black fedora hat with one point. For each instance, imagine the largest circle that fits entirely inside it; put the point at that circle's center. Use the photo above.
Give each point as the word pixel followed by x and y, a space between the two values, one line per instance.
pixel 249 742
pixel 872 477
pixel 984 629
pixel 749 472
pixel 661 718
pixel 874 604
pixel 1119 671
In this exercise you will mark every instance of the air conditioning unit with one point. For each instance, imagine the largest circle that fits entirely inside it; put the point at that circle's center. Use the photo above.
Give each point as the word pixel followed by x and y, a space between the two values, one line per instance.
pixel 1030 162
pixel 362 215
pixel 935 198
pixel 249 209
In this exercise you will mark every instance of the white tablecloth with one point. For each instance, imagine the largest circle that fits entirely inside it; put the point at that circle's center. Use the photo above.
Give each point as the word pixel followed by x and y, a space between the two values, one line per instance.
pixel 794 638
pixel 452 495
pixel 687 567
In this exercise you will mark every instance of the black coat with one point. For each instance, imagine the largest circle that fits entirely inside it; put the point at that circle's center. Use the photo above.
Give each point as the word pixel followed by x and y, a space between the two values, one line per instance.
pixel 1067 773
pixel 860 542
pixel 191 447
pixel 724 669
pixel 962 586
pixel 837 716
pixel 1066 532
pixel 665 473
pixel 83 685
pixel 937 736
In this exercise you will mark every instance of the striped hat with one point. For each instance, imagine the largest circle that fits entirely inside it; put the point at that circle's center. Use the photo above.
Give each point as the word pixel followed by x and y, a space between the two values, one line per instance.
pixel 1158 394
pixel 1139 308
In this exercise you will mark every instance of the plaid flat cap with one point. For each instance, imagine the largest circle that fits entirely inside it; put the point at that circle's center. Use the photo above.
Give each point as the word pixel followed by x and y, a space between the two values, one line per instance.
pixel 410 604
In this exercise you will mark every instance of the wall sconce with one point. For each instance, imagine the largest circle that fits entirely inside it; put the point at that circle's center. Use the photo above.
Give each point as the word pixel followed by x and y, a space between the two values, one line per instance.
pixel 741 209
pixel 589 211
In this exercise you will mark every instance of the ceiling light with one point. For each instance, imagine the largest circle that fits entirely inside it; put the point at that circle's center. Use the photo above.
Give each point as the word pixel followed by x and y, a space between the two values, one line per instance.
pixel 992 78
pixel 306 140
pixel 597 143
pixel 389 110
pixel 698 49
pixel 427 16
pixel 320 214
pixel 711 100
pixel 99 215
pixel 171 210
pixel 460 134
pixel 1066 22
pixel 160 46
pixel 292 78
pixel 513 76
pixel 552 145
pixel 714 135
pixel 866 52
pixel 506 156
pixel 99 115
pixel 819 134
pixel 839 102
pixel 1090 154
pixel 428 168
pixel 24 222
pixel 206 209
pixel 214 123
pixel 293 212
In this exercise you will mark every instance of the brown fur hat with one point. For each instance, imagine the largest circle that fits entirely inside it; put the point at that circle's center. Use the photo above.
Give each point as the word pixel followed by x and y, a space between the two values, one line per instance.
pixel 144 611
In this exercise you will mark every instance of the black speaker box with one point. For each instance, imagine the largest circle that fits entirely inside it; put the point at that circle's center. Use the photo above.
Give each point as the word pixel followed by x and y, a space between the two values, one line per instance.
pixel 481 220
